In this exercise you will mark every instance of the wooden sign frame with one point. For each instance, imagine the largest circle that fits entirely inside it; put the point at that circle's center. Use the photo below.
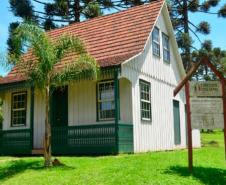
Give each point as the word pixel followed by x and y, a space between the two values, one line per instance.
pixel 185 82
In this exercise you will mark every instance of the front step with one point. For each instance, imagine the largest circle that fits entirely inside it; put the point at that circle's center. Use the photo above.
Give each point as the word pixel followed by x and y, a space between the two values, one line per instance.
pixel 37 151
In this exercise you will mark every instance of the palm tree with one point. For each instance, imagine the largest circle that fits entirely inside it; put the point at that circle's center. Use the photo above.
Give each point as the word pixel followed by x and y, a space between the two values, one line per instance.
pixel 40 67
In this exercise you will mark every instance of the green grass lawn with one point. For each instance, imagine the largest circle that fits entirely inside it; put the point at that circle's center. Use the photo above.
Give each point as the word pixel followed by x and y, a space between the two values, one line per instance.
pixel 139 169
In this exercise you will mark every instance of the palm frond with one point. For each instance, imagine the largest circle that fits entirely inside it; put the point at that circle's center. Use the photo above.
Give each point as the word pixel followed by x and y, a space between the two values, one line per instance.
pixel 69 43
pixel 85 67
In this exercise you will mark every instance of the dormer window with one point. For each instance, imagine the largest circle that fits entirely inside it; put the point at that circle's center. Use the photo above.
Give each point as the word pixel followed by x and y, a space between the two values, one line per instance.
pixel 166 48
pixel 156 42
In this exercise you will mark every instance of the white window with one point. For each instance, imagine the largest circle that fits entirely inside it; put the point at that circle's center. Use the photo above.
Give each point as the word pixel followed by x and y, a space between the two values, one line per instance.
pixel 19 106
pixel 106 100
pixel 145 100
pixel 156 42
pixel 166 48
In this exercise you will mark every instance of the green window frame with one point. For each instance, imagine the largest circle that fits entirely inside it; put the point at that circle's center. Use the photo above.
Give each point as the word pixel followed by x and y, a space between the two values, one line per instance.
pixel 106 100
pixel 166 48
pixel 145 100
pixel 19 109
pixel 156 42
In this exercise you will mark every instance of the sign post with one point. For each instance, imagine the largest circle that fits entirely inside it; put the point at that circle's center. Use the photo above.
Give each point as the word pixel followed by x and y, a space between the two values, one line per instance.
pixel 189 129
pixel 202 119
pixel 224 110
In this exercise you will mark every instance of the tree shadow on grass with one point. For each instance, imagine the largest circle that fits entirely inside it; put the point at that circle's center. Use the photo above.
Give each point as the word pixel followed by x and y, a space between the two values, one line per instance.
pixel 208 176
pixel 13 168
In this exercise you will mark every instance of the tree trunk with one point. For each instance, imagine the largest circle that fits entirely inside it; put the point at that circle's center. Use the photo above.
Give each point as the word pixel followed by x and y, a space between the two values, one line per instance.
pixel 47 142
pixel 187 64
pixel 76 9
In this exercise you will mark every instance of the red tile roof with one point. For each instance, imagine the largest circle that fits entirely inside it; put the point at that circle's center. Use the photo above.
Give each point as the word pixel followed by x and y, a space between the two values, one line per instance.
pixel 110 39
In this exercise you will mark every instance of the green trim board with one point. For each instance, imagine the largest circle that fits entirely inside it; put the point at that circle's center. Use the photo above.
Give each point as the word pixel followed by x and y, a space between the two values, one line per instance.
pixel 116 93
pixel 15 85
pixel 104 72
pixel 125 138
pixel 32 115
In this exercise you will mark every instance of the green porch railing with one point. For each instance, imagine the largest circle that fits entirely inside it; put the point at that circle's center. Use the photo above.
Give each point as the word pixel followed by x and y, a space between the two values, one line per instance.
pixel 15 142
pixel 88 139
pixel 91 139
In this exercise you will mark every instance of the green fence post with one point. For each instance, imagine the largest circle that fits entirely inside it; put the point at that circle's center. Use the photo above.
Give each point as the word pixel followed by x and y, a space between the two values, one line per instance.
pixel 32 116
pixel 116 94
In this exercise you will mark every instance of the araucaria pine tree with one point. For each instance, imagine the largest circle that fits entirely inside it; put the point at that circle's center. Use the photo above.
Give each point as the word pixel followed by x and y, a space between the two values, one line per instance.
pixel 184 27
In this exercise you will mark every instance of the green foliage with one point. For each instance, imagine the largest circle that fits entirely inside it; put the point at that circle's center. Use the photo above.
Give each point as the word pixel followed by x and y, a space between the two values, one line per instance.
pixel 167 168
pixel 203 27
pixel 179 12
pixel 22 9
pixel 222 11
pixel 92 10
pixel 47 53
pixel 84 67
pixel 223 63
pixel 216 56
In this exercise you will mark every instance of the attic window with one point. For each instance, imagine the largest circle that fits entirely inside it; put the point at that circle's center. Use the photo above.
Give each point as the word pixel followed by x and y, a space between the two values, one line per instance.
pixel 19 106
pixel 166 48
pixel 156 42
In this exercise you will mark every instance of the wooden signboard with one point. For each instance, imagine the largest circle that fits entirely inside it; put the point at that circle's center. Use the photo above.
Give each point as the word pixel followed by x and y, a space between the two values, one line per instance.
pixel 207 121
pixel 205 89
pixel 206 105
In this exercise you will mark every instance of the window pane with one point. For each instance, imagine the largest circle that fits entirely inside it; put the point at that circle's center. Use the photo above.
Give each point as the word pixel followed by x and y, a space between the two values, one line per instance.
pixel 166 48
pixel 145 95
pixel 19 101
pixel 106 104
pixel 155 42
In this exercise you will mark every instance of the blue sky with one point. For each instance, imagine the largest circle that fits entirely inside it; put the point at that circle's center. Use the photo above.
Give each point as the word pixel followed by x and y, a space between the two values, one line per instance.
pixel 218 28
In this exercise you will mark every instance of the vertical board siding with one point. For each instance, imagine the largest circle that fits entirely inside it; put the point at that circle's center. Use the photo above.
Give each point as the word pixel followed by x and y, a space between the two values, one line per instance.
pixel 39 119
pixel 125 95
pixel 82 103
pixel 159 133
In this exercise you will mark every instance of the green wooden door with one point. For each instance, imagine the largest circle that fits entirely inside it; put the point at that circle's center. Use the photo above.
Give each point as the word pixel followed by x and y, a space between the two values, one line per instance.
pixel 176 113
pixel 59 107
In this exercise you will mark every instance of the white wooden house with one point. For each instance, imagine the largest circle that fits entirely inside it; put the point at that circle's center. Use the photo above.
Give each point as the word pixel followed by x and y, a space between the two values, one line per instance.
pixel 131 107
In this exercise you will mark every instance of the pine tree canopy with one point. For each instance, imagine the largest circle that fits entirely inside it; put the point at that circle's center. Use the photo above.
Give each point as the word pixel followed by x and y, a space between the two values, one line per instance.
pixel 184 27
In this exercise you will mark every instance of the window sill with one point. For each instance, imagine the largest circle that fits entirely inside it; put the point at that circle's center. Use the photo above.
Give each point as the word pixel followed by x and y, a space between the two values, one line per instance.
pixel 155 55
pixel 166 62
pixel 146 120
pixel 17 126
